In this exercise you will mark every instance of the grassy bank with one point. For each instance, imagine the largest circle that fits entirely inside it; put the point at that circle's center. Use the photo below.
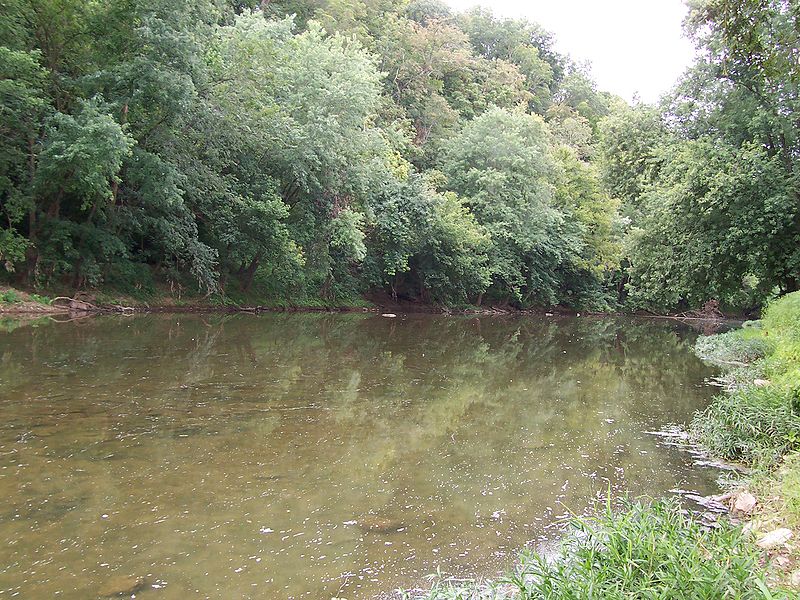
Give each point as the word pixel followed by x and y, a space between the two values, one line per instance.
pixel 756 422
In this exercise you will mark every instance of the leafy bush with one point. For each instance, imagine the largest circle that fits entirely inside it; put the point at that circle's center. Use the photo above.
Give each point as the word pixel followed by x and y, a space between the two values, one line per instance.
pixel 12 248
pixel 13 297
pixel 10 297
pixel 733 346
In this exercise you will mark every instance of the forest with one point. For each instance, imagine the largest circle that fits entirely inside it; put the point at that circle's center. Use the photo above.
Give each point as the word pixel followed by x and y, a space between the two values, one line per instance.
pixel 325 150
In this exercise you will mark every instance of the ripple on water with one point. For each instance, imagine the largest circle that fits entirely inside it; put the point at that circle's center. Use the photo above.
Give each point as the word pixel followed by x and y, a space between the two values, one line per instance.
pixel 312 456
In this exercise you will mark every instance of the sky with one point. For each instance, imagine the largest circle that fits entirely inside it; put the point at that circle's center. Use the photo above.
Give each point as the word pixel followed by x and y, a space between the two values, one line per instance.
pixel 634 46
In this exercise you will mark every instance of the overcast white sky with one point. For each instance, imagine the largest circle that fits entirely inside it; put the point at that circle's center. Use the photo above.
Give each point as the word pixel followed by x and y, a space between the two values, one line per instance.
pixel 633 45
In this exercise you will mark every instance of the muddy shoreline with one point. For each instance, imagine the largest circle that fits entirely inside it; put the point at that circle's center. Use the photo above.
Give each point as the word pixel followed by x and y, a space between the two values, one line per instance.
pixel 33 309
pixel 27 304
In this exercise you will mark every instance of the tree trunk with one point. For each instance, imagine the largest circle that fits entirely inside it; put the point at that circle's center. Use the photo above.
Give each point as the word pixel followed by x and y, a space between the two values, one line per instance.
pixel 31 253
pixel 250 273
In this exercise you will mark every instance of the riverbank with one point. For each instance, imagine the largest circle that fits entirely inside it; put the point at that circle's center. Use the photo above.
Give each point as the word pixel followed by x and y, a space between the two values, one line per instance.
pixel 756 422
pixel 15 301
pixel 642 550
pixel 18 301
pixel 654 549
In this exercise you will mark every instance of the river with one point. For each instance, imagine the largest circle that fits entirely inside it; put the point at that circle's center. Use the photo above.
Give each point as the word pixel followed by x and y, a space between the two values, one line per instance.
pixel 318 456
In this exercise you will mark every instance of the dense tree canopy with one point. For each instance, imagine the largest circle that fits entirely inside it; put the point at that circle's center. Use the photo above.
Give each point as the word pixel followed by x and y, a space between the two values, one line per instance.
pixel 308 150
pixel 709 179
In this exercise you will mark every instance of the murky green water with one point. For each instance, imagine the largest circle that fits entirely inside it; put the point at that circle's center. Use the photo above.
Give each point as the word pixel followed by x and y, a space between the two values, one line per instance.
pixel 312 456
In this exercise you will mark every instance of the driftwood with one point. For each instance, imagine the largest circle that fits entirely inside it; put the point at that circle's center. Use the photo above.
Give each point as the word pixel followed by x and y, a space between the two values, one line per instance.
pixel 710 310
pixel 73 304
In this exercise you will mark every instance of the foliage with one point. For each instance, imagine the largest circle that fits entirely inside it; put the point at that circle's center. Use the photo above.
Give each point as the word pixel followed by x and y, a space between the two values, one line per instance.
pixel 720 220
pixel 10 297
pixel 12 248
pixel 40 299
pixel 644 550
pixel 214 145
pixel 501 164
pixel 709 178
pixel 548 240
pixel 427 244
pixel 238 146
pixel 630 140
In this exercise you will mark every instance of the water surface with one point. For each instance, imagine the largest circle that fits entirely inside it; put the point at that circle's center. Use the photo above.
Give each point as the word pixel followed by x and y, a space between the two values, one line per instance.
pixel 313 456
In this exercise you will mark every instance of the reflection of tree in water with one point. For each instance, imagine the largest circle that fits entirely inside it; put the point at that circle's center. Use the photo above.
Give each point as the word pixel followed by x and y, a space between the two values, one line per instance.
pixel 469 428
pixel 423 372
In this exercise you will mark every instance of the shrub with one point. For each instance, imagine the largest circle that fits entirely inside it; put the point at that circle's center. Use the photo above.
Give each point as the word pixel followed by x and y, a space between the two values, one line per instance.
pixel 10 297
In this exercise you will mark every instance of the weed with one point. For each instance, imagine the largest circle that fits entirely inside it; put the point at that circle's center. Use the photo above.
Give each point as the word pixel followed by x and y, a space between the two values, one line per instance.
pixel 10 297
pixel 753 425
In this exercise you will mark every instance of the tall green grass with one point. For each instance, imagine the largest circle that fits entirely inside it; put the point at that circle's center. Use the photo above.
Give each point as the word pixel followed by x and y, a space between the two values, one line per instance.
pixel 645 551
pixel 782 327
pixel 756 425
pixel 789 490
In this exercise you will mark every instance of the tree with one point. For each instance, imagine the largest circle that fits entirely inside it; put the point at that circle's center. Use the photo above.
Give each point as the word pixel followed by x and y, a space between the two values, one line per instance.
pixel 630 156
pixel 426 245
pixel 593 216
pixel 229 148
pixel 23 108
pixel 719 224
pixel 502 166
